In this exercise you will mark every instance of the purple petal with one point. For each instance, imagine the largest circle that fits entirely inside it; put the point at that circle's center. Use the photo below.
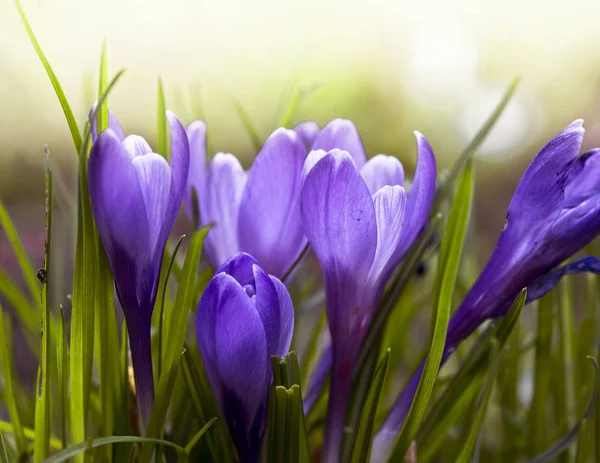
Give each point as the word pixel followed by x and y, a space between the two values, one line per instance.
pixel 154 176
pixel 390 204
pixel 286 318
pixel 382 170
pixel 135 145
pixel 118 207
pixel 269 223
pixel 310 161
pixel 340 223
pixel 540 190
pixel 224 186
pixel 180 165
pixel 113 124
pixel 196 133
pixel 267 306
pixel 342 134
pixel 240 267
pixel 307 131
pixel 420 196
pixel 233 344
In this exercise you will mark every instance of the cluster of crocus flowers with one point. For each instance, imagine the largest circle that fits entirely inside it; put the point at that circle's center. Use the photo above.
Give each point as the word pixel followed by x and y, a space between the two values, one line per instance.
pixel 135 196
pixel 313 187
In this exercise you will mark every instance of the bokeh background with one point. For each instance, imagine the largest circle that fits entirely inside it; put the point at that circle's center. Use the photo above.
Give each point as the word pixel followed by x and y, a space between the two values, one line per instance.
pixel 391 66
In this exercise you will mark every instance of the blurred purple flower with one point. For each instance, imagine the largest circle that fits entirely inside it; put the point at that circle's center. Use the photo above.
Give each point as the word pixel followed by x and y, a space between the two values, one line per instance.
pixel 307 131
pixel 554 212
pixel 359 227
pixel 256 211
pixel 244 317
pixel 135 196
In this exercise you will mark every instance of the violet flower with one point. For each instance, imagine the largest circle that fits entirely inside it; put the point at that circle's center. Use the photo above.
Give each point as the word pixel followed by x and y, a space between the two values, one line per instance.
pixel 554 213
pixel 244 317
pixel 135 195
pixel 359 230
pixel 256 211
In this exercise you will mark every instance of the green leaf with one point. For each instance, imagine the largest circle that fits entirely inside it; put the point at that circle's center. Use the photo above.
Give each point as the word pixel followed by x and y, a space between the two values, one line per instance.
pixel 285 425
pixel 468 449
pixel 189 447
pixel 90 291
pixel 3 453
pixel 42 403
pixel 62 374
pixel 162 304
pixel 76 450
pixel 449 260
pixel 176 335
pixel 361 450
pixel 543 374
pixel 53 79
pixel 205 405
pixel 448 183
pixel 29 274
pixel 161 121
pixel 447 410
pixel 9 394
pixel 27 313
pixel 29 434
pixel 299 94
pixel 102 116
pixel 565 441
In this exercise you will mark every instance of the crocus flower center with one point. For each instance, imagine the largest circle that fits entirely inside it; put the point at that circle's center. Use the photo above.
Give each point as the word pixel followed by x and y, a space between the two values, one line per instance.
pixel 250 290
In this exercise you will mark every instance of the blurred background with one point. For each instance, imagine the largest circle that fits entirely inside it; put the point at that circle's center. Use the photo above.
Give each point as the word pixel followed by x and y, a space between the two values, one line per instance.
pixel 391 66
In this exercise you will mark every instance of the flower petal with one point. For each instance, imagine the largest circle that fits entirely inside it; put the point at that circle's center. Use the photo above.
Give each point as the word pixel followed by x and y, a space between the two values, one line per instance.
pixel 113 124
pixel 340 223
pixel 313 157
pixel 286 318
pixel 267 306
pixel 240 268
pixel 135 145
pixel 154 176
pixel 342 134
pixel 390 204
pixel 119 212
pixel 540 190
pixel 307 131
pixel 269 223
pixel 180 165
pixel 196 133
pixel 420 196
pixel 382 170
pixel 224 186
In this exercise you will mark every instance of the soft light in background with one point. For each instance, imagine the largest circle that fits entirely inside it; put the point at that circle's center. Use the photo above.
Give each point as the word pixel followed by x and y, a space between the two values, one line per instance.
pixel 392 67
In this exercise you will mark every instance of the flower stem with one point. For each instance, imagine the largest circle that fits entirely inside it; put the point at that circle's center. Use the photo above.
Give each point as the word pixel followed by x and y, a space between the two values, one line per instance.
pixel 141 357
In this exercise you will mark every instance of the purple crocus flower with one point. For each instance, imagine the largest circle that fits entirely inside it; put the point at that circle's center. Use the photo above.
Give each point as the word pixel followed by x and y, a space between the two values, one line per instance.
pixel 244 317
pixel 256 211
pixel 135 195
pixel 554 212
pixel 307 131
pixel 359 228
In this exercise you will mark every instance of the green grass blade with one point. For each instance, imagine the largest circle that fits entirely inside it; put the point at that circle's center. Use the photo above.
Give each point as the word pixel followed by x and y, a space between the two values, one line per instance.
pixel 3 452
pixel 62 374
pixel 26 311
pixel 566 440
pixel 9 393
pixel 89 288
pixel 192 443
pixel 285 423
pixel 78 449
pixel 299 94
pixel 362 445
pixel 102 113
pixel 42 403
pixel 480 136
pixel 162 305
pixel 176 335
pixel 64 103
pixel 29 433
pixel 468 449
pixel 449 260
pixel 543 374
pixel 29 273
pixel 161 120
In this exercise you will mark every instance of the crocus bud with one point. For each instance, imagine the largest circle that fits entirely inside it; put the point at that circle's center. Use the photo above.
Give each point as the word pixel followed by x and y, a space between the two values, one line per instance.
pixel 244 317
